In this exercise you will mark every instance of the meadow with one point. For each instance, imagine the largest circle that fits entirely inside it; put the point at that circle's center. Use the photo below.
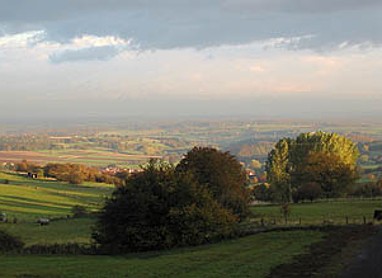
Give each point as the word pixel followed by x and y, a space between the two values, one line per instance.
pixel 25 200
pixel 251 256
pixel 339 212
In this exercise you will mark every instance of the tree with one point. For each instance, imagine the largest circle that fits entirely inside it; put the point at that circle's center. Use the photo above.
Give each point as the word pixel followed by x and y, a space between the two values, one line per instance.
pixel 278 170
pixel 221 174
pixel 158 209
pixel 328 170
pixel 328 159
pixel 256 164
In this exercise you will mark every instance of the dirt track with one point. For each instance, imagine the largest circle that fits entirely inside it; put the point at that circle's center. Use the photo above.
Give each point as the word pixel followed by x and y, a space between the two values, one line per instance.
pixel 368 261
pixel 322 254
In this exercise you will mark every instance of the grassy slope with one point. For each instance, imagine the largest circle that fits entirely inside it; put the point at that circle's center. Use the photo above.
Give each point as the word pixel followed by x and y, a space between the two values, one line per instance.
pixel 72 230
pixel 27 200
pixel 251 256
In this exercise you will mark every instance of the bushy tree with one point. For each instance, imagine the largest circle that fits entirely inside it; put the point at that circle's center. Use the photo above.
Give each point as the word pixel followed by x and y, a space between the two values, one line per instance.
pixel 262 192
pixel 308 191
pixel 327 170
pixel 278 170
pixel 160 208
pixel 328 159
pixel 222 174
pixel 370 189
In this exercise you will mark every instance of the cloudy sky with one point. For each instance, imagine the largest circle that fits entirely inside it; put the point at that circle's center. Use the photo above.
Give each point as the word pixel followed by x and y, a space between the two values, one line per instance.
pixel 277 58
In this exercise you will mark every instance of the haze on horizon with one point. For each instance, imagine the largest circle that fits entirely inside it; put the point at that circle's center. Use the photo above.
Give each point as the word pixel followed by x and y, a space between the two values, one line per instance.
pixel 276 58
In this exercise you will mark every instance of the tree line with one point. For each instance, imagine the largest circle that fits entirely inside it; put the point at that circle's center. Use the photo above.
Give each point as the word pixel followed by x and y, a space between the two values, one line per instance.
pixel 71 173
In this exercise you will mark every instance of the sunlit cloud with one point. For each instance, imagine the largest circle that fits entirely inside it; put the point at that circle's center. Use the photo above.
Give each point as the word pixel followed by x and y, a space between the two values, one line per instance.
pixel 22 40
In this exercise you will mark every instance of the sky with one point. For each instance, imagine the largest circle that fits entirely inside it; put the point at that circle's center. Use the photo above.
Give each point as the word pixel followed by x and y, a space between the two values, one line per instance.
pixel 260 58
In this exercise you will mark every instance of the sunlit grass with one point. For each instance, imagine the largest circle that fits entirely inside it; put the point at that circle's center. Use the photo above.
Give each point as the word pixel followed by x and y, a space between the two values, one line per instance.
pixel 251 256
pixel 27 199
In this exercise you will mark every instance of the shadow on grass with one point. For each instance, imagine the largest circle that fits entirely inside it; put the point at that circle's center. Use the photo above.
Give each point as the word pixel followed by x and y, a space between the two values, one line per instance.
pixel 322 253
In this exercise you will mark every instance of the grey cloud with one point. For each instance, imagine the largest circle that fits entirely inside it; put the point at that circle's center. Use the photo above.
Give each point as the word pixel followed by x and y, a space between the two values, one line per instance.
pixel 44 10
pixel 85 54
pixel 300 6
pixel 180 23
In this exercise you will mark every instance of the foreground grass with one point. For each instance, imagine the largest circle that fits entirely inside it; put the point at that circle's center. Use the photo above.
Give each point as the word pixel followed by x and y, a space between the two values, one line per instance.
pixel 252 256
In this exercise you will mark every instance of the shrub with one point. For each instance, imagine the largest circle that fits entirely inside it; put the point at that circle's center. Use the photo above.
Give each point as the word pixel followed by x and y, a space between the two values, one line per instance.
pixel 9 243
pixel 59 249
pixel 79 211
pixel 158 209
pixel 262 192
pixel 308 191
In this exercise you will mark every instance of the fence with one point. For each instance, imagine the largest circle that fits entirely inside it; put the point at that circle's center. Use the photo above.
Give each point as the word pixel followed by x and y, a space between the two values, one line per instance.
pixel 265 223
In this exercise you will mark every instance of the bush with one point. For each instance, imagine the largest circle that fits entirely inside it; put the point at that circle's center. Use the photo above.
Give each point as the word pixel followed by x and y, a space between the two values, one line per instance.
pixel 9 243
pixel 59 249
pixel 79 211
pixel 159 209
pixel 262 192
pixel 309 191
pixel 367 190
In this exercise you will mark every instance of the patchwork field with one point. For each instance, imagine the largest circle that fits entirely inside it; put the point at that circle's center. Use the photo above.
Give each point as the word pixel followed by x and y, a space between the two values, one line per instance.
pixel 88 157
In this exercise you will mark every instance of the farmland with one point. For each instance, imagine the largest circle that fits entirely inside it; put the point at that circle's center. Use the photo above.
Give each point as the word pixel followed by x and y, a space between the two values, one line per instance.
pixel 20 199
pixel 244 257
pixel 88 157
pixel 24 200
pixel 129 144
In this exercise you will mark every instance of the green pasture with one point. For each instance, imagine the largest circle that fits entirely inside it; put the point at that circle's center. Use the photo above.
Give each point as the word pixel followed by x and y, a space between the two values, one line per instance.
pixel 73 230
pixel 27 199
pixel 252 256
pixel 94 157
pixel 316 213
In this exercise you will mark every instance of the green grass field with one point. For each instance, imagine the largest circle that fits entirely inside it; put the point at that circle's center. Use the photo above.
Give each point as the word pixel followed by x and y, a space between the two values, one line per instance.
pixel 317 212
pixel 251 256
pixel 27 199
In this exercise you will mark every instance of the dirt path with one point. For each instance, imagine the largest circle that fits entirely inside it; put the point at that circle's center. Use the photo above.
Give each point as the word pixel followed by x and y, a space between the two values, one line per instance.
pixel 368 261
pixel 325 258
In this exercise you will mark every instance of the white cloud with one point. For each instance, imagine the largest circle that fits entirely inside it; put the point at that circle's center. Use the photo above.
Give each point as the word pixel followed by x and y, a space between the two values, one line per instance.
pixel 90 48
pixel 84 47
pixel 22 40
pixel 86 41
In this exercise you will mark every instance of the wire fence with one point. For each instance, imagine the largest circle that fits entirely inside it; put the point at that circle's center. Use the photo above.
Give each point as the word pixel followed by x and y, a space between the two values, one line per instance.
pixel 264 223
